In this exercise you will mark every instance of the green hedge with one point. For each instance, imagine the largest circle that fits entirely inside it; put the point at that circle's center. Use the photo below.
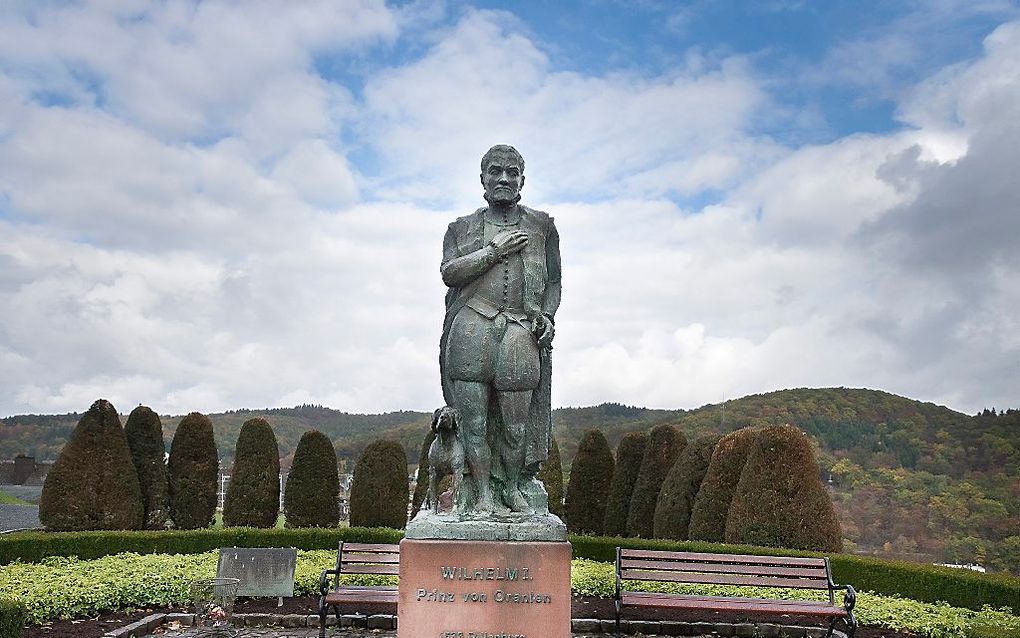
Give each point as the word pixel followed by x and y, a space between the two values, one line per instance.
pixel 31 547
pixel 927 583
pixel 13 616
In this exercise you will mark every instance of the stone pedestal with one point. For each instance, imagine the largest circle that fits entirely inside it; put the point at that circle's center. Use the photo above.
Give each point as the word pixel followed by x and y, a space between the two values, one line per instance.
pixel 484 589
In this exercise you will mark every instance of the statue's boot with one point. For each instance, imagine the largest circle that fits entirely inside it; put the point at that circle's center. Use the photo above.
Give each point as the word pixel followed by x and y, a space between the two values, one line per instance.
pixel 484 503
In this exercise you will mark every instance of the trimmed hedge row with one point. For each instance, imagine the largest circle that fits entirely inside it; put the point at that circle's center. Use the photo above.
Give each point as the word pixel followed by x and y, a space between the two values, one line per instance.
pixel 31 547
pixel 927 583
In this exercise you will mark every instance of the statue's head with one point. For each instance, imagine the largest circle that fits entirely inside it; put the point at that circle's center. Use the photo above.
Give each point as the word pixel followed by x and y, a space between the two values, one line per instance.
pixel 502 174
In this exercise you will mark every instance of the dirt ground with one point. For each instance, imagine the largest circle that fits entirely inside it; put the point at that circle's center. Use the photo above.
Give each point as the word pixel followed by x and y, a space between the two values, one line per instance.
pixel 581 607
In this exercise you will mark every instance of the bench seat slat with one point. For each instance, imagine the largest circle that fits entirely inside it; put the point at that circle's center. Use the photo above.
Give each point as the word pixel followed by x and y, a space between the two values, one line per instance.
pixel 372 547
pixel 759 605
pixel 722 579
pixel 367 568
pixel 720 568
pixel 360 557
pixel 722 558
pixel 347 595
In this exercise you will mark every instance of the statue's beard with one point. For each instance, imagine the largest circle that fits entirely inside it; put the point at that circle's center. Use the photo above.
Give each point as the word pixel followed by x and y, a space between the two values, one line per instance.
pixel 501 201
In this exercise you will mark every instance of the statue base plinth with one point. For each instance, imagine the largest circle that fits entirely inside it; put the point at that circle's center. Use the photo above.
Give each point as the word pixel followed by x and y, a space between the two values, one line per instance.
pixel 428 525
pixel 478 589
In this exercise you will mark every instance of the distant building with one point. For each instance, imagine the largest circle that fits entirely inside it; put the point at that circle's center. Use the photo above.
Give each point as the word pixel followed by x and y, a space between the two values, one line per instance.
pixel 23 470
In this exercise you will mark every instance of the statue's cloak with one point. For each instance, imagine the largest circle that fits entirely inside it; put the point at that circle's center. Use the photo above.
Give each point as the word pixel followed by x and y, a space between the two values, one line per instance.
pixel 541 296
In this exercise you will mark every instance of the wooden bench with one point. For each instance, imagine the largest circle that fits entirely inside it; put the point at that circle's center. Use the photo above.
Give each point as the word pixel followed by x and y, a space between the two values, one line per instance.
pixel 732 569
pixel 358 558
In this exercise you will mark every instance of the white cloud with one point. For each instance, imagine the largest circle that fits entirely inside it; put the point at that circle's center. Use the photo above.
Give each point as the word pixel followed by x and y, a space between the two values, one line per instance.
pixel 202 221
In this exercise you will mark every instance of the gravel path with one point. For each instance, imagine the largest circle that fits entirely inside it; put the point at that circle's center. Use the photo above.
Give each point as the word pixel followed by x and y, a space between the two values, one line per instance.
pixel 19 517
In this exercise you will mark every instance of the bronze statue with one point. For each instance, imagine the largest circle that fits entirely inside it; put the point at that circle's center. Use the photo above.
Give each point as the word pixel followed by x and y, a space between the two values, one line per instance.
pixel 502 266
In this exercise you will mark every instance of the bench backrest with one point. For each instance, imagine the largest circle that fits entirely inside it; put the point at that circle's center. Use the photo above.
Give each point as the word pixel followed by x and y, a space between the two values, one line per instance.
pixel 368 558
pixel 724 569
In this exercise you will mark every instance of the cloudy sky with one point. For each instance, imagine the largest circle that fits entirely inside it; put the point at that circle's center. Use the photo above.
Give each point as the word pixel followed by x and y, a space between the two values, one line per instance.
pixel 213 205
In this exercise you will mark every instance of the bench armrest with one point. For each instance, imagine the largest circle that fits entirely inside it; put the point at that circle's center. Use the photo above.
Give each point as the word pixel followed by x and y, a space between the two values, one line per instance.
pixel 324 580
pixel 849 599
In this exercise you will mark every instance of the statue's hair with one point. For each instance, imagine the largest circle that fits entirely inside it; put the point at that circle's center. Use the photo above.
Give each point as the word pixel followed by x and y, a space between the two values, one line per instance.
pixel 502 149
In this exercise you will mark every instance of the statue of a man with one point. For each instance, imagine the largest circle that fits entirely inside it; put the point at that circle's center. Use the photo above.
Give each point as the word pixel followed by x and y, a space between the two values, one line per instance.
pixel 502 265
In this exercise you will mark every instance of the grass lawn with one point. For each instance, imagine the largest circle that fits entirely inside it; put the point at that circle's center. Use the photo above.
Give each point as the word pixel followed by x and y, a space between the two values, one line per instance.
pixel 7 499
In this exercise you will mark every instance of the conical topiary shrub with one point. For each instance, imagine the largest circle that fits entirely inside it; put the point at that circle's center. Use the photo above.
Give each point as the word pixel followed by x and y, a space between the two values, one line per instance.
pixel 421 480
pixel 591 474
pixel 312 497
pixel 712 504
pixel 665 443
pixel 379 490
pixel 253 494
pixel 551 475
pixel 144 433
pixel 192 472
pixel 676 498
pixel 93 484
pixel 780 500
pixel 629 453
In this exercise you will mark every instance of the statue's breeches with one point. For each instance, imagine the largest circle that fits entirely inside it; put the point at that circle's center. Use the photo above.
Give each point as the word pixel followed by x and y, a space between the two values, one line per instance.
pixel 499 352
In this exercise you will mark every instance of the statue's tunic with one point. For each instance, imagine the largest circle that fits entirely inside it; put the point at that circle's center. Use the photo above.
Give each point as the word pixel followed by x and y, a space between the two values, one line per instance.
pixel 490 308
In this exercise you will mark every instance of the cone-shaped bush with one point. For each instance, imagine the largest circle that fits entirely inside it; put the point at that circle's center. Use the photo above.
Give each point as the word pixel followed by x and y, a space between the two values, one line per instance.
pixel 421 485
pixel 144 433
pixel 253 494
pixel 711 506
pixel 192 472
pixel 312 497
pixel 780 500
pixel 665 443
pixel 676 498
pixel 379 490
pixel 93 484
pixel 551 475
pixel 591 474
pixel 629 453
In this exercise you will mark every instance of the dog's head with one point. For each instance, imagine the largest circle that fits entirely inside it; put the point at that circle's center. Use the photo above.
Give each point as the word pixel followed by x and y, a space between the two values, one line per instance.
pixel 444 420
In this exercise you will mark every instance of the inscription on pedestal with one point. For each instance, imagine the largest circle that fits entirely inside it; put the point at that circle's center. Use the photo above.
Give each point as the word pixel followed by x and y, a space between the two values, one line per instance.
pixel 483 589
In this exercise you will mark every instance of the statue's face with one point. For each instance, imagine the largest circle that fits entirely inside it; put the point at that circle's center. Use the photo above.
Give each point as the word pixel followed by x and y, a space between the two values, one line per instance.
pixel 502 179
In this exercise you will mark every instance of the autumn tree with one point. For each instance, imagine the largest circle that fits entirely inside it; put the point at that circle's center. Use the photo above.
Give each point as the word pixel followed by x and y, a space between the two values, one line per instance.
pixel 93 484
pixel 379 491
pixel 312 497
pixel 676 498
pixel 192 472
pixel 144 433
pixel 629 453
pixel 253 494
pixel 591 475
pixel 712 504
pixel 665 443
pixel 780 500
pixel 551 475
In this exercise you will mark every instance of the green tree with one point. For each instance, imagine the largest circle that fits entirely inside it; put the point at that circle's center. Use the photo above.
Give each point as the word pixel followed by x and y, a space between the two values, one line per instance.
pixel 421 480
pixel 780 500
pixel 312 497
pixel 551 475
pixel 93 484
pixel 665 443
pixel 676 498
pixel 629 453
pixel 253 494
pixel 144 433
pixel 379 490
pixel 192 472
pixel 712 504
pixel 591 475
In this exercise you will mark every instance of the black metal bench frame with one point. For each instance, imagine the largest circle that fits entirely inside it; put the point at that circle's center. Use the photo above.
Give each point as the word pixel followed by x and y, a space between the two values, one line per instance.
pixel 733 569
pixel 358 558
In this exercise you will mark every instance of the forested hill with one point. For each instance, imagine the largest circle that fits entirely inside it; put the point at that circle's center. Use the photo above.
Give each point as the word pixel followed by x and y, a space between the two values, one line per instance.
pixel 869 427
